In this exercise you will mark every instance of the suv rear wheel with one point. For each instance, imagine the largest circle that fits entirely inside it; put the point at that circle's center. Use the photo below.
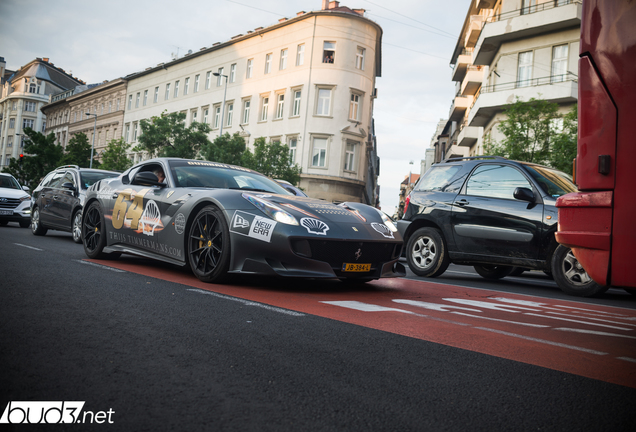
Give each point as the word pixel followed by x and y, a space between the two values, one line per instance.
pixel 570 276
pixel 426 253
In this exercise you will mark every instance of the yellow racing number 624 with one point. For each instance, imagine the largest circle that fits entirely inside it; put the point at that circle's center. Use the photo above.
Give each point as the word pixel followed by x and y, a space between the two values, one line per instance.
pixel 121 212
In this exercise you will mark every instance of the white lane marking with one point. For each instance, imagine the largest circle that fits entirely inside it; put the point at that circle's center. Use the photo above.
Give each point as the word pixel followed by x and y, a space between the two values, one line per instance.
pixel 28 247
pixel 249 303
pixel 486 305
pixel 365 307
pixel 593 311
pixel 594 332
pixel 502 320
pixel 629 359
pixel 578 321
pixel 525 303
pixel 100 266
pixel 433 306
pixel 542 341
pixel 594 319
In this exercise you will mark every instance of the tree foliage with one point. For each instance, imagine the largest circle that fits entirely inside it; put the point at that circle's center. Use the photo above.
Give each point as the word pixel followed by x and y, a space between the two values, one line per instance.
pixel 272 159
pixel 225 149
pixel 532 134
pixel 115 156
pixel 168 136
pixel 78 152
pixel 43 157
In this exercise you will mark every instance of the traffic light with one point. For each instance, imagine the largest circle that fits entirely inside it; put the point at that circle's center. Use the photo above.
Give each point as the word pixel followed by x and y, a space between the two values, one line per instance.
pixel 21 158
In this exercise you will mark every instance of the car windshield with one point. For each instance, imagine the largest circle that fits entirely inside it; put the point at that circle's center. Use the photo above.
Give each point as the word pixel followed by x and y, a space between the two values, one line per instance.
pixel 201 174
pixel 9 183
pixel 437 178
pixel 553 182
pixel 90 177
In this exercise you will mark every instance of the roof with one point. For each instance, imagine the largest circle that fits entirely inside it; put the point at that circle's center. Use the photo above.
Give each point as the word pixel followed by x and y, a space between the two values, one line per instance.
pixel 411 179
pixel 45 71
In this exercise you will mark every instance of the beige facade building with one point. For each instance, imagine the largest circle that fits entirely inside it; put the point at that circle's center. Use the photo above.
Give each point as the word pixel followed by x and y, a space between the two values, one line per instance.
pixel 510 49
pixel 22 95
pixel 308 82
pixel 97 111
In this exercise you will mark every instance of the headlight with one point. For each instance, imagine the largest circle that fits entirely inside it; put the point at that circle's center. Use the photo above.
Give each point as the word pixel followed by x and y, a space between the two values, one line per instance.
pixel 387 221
pixel 24 198
pixel 271 210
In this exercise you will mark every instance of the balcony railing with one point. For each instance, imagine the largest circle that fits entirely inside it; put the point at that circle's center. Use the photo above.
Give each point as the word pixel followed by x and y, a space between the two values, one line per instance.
pixel 531 9
pixel 553 79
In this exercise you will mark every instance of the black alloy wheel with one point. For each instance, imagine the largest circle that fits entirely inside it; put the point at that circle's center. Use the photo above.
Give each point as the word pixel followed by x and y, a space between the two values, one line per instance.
pixel 208 245
pixel 94 233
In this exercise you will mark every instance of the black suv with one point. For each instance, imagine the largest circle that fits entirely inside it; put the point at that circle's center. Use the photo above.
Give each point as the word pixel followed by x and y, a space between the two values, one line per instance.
pixel 57 201
pixel 492 213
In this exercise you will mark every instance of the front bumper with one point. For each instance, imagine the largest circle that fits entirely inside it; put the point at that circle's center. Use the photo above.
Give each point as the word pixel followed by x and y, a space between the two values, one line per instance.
pixel 21 213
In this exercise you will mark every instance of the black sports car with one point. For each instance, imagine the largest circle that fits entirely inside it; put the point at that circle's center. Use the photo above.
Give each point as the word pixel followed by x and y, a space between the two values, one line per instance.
pixel 221 219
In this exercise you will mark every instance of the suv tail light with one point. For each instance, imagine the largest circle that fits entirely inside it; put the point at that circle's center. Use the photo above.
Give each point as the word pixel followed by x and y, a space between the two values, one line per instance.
pixel 406 203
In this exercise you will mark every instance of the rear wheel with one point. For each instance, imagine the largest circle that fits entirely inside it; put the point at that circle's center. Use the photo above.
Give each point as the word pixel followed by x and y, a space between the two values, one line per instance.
pixel 209 245
pixel 94 232
pixel 36 226
pixel 76 227
pixel 571 277
pixel 426 253
pixel 493 271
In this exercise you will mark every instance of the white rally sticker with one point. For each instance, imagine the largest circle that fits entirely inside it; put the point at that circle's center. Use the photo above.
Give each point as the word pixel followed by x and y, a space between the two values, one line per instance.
pixel 382 229
pixel 150 218
pixel 258 227
pixel 314 226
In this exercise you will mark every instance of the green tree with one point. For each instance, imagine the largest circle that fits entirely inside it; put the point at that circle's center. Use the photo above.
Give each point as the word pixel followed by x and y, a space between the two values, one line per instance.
pixel 167 136
pixel 225 149
pixel 564 144
pixel 272 159
pixel 78 152
pixel 43 157
pixel 115 156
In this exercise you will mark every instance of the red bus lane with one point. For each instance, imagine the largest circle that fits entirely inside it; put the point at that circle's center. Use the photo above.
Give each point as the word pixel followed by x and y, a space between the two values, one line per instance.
pixel 589 340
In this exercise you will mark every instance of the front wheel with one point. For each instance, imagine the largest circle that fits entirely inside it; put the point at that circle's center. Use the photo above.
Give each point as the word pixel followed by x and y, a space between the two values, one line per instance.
pixel 209 245
pixel 76 228
pixel 36 226
pixel 94 232
pixel 571 277
pixel 426 253
pixel 493 271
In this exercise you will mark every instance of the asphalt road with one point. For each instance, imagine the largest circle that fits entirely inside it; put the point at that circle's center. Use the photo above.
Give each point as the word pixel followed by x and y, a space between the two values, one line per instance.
pixel 161 357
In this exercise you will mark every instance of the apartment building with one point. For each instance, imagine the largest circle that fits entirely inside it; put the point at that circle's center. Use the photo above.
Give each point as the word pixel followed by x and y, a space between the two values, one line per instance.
pixel 22 94
pixel 510 49
pixel 308 82
pixel 96 110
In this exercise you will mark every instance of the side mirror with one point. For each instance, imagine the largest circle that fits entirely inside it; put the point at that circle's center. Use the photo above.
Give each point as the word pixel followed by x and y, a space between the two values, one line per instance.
pixel 69 186
pixel 146 178
pixel 26 189
pixel 524 194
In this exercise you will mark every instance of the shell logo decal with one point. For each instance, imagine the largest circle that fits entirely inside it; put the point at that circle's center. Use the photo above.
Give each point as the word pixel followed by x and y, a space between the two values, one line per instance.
pixel 382 229
pixel 150 218
pixel 314 226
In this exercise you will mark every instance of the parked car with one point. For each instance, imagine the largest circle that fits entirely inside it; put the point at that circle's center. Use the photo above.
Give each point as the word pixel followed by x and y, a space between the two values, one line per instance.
pixel 58 200
pixel 14 201
pixel 291 188
pixel 221 220
pixel 492 213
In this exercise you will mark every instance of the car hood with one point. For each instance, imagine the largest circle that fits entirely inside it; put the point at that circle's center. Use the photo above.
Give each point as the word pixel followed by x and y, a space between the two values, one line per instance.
pixel 12 193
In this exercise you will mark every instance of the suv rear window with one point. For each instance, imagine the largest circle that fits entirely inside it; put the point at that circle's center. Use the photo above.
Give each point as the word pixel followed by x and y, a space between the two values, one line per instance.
pixel 90 177
pixel 437 178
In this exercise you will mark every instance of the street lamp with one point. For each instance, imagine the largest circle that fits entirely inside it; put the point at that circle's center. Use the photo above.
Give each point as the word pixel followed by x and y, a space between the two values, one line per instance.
pixel 216 74
pixel 94 132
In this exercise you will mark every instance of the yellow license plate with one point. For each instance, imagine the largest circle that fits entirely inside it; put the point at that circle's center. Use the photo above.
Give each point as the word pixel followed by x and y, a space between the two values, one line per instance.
pixel 354 267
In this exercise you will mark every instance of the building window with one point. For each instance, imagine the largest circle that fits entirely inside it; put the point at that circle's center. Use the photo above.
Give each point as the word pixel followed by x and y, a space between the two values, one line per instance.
pixel 217 117
pixel 319 153
pixel 528 6
pixel 110 106
pixel 176 88
pixel 268 63
pixel 559 63
pixel 186 86
pixel 193 116
pixel 360 58
pixel 280 106
pixel 293 145
pixel 233 73
pixel 127 133
pixel 33 88
pixel 129 102
pixel 283 59
pixel 118 104
pixel 134 132
pixel 524 71
pixel 167 91
pixel 43 125
pixel 300 55
pixel 29 106
pixel 250 63
pixel 196 83
pixel 354 106
pixel 350 156
pixel 296 106
pixel 12 123
pixel 219 78
pixel 207 79
pixel 264 108
pixel 246 111
pixel 230 114
pixel 323 104
pixel 27 123
pixel 137 98
pixel 329 52
pixel 10 141
pixel 156 97
pixel 145 97
pixel 206 113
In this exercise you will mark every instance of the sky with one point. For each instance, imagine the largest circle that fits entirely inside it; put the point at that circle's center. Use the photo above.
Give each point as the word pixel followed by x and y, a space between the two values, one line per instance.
pixel 97 41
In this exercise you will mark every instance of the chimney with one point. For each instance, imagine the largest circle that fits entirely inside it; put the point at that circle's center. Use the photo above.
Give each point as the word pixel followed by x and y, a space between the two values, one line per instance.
pixel 334 4
pixel 46 59
pixel 325 4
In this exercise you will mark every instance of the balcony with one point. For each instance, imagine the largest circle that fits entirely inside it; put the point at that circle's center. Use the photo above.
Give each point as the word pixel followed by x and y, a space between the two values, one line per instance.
pixel 459 107
pixel 561 89
pixel 472 80
pixel 463 61
pixel 524 23
pixel 474 29
pixel 468 136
